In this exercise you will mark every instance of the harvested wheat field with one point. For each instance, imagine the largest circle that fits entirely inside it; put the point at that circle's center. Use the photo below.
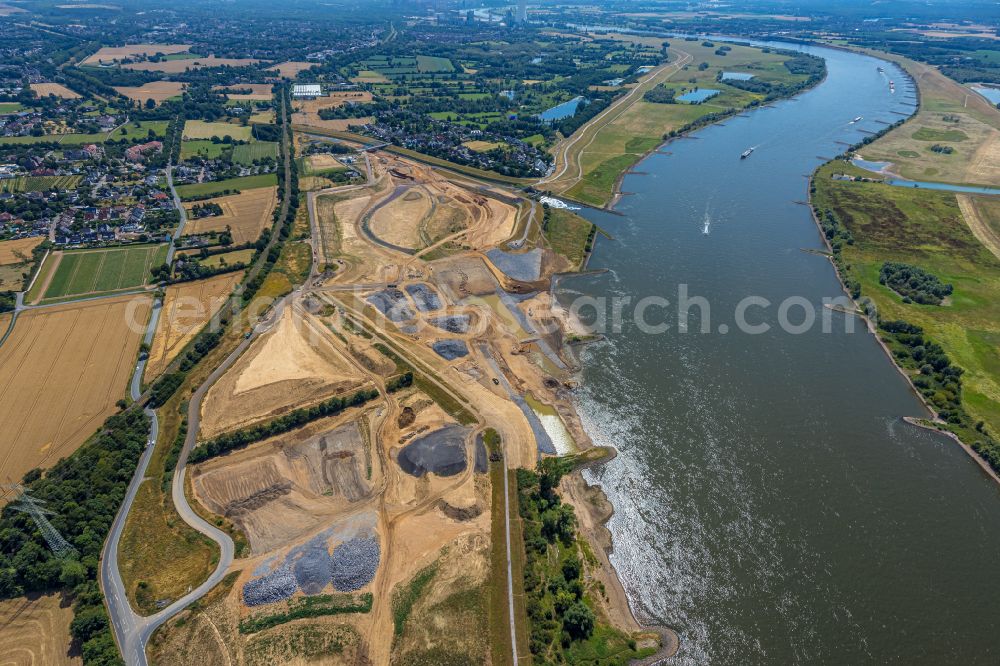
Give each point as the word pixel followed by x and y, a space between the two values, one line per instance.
pixel 19 250
pixel 331 101
pixel 110 54
pixel 336 125
pixel 61 372
pixel 291 69
pixel 184 64
pixel 247 214
pixel 158 91
pixel 57 89
pixel 291 366
pixel 34 631
pixel 258 91
pixel 280 490
pixel 306 111
pixel 186 308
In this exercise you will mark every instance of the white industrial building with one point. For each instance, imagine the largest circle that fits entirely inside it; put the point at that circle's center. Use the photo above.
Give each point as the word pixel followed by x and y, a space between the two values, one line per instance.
pixel 307 90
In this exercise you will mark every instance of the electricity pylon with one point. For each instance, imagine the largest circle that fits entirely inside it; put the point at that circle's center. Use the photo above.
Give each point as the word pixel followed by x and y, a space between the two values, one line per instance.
pixel 25 503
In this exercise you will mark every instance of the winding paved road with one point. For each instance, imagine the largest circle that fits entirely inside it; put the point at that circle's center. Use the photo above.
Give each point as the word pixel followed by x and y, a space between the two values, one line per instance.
pixel 132 631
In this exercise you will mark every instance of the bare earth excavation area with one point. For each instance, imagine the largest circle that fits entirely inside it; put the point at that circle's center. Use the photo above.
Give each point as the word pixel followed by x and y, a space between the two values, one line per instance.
pixel 290 367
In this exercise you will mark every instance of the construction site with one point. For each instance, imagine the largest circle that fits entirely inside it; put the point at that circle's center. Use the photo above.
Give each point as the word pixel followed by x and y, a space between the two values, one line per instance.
pixel 431 293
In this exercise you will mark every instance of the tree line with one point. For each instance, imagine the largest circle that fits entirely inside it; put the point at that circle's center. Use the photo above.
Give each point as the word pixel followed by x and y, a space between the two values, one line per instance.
pixel 83 491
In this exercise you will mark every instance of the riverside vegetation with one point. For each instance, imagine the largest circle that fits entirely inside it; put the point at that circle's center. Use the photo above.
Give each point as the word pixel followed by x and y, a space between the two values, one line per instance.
pixel 563 625
pixel 892 246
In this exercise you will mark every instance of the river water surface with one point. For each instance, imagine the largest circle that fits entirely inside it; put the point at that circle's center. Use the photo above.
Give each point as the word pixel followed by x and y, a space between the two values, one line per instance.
pixel 771 505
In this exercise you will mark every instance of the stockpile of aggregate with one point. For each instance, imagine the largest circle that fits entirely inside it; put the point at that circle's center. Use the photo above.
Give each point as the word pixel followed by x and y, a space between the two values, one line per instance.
pixel 276 586
pixel 525 266
pixel 440 452
pixel 391 303
pixel 452 323
pixel 354 563
pixel 311 564
pixel 450 349
pixel 425 298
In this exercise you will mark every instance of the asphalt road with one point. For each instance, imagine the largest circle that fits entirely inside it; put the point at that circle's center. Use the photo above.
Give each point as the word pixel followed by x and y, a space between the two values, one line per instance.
pixel 132 631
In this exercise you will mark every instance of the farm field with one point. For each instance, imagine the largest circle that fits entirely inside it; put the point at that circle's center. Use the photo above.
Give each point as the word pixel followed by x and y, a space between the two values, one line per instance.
pixel 15 263
pixel 61 372
pixel 109 54
pixel 263 117
pixel 35 630
pixel 202 148
pixel 158 91
pixel 199 129
pixel 247 214
pixel 141 130
pixel 291 69
pixel 92 272
pixel 306 111
pixel 10 107
pixel 258 91
pixel 186 308
pixel 183 64
pixel 230 258
pixel 950 115
pixel 38 183
pixel 56 89
pixel 246 153
pixel 19 250
pixel 231 185
pixel 390 66
pixel 316 165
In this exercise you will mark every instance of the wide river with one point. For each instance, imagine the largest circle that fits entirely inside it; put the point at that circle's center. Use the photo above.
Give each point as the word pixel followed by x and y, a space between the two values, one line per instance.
pixel 771 504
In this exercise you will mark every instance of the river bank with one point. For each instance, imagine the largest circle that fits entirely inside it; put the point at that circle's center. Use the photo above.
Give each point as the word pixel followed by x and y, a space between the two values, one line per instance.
pixel 732 509
pixel 590 172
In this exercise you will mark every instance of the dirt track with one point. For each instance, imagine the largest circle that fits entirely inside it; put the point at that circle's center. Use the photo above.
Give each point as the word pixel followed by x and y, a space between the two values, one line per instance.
pixel 986 235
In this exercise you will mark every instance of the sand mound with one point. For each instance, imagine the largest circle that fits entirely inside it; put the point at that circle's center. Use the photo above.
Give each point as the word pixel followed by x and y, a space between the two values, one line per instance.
pixel 291 366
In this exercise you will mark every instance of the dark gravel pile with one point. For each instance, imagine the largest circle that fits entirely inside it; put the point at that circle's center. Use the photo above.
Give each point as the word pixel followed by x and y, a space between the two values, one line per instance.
pixel 440 452
pixel 452 323
pixel 450 349
pixel 312 566
pixel 276 586
pixel 392 303
pixel 526 266
pixel 425 298
pixel 354 563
